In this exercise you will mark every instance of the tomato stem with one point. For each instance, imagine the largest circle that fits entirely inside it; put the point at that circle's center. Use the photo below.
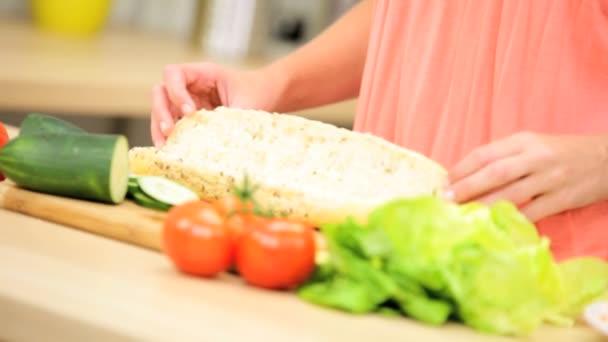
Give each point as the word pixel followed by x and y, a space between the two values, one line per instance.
pixel 245 193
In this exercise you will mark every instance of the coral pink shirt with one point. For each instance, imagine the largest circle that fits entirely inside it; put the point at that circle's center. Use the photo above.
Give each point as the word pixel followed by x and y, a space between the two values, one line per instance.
pixel 444 77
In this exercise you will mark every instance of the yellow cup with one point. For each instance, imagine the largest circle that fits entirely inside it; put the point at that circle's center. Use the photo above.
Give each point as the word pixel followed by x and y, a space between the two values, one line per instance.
pixel 73 17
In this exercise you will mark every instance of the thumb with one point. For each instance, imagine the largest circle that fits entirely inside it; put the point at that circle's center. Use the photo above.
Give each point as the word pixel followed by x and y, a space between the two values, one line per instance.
pixel 177 82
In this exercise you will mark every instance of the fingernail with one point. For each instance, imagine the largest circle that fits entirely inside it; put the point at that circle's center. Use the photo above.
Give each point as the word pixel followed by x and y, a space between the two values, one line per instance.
pixel 164 127
pixel 449 195
pixel 187 109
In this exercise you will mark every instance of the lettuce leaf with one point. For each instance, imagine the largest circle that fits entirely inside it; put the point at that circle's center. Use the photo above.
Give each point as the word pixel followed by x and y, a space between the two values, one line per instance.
pixel 361 282
pixel 486 266
pixel 584 280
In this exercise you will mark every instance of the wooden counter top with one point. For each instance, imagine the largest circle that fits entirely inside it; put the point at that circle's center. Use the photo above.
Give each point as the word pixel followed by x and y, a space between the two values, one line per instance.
pixel 109 76
pixel 57 283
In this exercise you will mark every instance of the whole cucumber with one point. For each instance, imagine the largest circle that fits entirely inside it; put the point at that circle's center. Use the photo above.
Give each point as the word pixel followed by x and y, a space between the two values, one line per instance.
pixel 44 124
pixel 86 166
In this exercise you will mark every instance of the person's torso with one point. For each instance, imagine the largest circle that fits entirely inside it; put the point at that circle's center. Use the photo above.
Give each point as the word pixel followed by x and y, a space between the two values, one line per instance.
pixel 444 77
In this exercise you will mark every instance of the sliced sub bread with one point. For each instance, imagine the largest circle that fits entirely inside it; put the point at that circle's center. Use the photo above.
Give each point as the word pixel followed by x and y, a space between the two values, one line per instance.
pixel 306 169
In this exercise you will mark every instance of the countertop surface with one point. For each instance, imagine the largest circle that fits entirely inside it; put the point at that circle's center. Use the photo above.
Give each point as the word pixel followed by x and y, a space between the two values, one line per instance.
pixel 111 75
pixel 58 283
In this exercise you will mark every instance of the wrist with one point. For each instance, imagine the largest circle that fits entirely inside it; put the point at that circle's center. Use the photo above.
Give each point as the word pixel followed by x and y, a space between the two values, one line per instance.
pixel 279 81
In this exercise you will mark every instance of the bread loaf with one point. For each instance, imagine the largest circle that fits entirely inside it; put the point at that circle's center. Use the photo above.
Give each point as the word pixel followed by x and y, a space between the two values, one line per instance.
pixel 306 169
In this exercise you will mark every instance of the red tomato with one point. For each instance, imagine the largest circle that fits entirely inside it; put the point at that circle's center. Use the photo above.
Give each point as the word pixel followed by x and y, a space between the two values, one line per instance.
pixel 3 140
pixel 231 204
pixel 236 213
pixel 196 239
pixel 276 253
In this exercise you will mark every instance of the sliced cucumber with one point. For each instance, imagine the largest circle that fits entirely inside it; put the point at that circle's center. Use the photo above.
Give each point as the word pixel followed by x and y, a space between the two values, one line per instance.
pixel 133 184
pixel 165 190
pixel 139 197
pixel 148 202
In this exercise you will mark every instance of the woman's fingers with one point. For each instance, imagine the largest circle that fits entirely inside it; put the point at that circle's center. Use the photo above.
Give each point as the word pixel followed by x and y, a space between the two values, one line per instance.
pixel 176 113
pixel 521 191
pixel 162 119
pixel 483 156
pixel 158 138
pixel 490 178
pixel 203 103
pixel 545 205
pixel 177 80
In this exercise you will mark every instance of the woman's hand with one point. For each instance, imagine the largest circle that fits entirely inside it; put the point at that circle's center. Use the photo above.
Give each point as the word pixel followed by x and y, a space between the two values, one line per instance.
pixel 190 87
pixel 542 174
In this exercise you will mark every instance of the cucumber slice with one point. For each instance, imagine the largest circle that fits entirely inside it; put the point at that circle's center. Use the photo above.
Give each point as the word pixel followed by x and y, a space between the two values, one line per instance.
pixel 165 190
pixel 149 202
pixel 140 198
pixel 133 184
pixel 133 187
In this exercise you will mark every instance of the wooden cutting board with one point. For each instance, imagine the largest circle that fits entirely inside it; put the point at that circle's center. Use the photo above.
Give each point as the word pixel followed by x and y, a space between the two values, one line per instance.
pixel 125 222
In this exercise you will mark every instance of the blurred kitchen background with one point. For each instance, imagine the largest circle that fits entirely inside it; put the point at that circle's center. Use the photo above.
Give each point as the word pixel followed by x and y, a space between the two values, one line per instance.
pixel 94 62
